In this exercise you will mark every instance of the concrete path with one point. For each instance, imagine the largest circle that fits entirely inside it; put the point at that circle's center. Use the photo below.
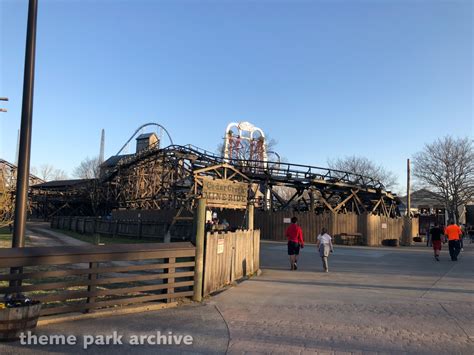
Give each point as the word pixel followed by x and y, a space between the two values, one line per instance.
pixel 40 234
pixel 373 300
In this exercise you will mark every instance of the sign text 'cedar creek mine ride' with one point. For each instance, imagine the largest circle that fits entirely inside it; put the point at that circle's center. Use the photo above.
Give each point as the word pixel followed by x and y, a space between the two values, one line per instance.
pixel 225 193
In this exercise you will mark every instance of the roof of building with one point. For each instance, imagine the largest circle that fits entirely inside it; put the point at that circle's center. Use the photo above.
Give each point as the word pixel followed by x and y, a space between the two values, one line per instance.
pixel 145 136
pixel 423 198
pixel 113 160
pixel 61 183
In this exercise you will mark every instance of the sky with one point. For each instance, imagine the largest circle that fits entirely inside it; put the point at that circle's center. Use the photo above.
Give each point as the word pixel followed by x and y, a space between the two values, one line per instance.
pixel 325 79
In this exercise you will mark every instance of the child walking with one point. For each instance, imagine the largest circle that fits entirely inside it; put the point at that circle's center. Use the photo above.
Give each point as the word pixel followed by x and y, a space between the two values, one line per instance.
pixel 324 245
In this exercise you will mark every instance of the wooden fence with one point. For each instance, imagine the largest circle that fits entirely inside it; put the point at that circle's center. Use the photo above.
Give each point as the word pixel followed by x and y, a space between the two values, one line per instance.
pixel 229 257
pixel 367 229
pixel 124 228
pixel 371 229
pixel 81 278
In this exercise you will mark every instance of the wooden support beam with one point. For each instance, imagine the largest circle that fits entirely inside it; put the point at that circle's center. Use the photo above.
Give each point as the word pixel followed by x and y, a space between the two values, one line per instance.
pixel 376 205
pixel 356 204
pixel 327 204
pixel 390 210
pixel 312 204
pixel 343 202
pixel 291 199
pixel 280 199
pixel 384 208
pixel 199 268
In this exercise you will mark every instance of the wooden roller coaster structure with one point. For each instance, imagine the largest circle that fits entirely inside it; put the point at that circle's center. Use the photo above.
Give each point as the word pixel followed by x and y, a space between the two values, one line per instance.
pixel 165 178
pixel 8 173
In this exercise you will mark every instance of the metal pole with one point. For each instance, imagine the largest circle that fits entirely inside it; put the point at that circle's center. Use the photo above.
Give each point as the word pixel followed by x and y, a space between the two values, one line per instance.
pixel 407 235
pixel 200 232
pixel 26 127
pixel 408 189
pixel 23 171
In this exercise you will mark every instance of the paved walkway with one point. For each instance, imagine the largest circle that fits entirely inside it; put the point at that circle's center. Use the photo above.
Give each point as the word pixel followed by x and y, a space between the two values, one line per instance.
pixel 40 234
pixel 373 300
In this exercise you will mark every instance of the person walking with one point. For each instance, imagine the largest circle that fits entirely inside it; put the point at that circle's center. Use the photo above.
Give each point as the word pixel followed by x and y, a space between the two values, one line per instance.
pixel 453 232
pixel 436 232
pixel 294 233
pixel 324 245
pixel 461 237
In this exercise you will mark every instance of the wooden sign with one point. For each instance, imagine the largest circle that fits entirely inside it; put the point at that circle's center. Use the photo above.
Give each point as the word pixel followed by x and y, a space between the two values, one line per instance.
pixel 224 193
pixel 220 246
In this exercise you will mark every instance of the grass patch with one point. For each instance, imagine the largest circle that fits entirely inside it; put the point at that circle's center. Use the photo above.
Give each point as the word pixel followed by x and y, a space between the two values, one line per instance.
pixel 97 238
pixel 6 238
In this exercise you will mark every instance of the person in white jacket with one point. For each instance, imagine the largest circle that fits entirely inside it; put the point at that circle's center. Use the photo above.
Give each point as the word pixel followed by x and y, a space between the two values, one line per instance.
pixel 324 245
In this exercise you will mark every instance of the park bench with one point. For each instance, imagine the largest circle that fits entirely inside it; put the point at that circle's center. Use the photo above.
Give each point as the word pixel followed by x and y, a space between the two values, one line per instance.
pixel 349 239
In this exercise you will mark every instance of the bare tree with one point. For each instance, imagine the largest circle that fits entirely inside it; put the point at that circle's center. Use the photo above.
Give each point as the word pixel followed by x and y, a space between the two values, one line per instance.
pixel 446 167
pixel 88 169
pixel 363 166
pixel 59 174
pixel 285 192
pixel 47 172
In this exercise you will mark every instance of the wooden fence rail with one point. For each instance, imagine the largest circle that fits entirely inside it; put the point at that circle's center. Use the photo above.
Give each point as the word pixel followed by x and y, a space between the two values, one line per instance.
pixel 126 228
pixel 82 278
pixel 229 257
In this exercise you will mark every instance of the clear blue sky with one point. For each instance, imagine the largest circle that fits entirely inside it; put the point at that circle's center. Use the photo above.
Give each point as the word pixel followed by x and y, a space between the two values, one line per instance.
pixel 326 79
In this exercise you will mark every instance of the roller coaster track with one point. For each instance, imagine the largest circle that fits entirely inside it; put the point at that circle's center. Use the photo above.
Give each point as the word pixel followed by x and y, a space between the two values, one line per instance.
pixel 276 172
pixel 335 190
pixel 164 178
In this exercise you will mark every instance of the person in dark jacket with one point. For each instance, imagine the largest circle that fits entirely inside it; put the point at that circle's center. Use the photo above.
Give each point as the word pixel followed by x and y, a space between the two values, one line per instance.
pixel 436 234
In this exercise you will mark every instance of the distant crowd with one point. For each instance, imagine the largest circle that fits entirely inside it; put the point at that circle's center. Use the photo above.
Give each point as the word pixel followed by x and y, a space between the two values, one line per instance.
pixel 453 234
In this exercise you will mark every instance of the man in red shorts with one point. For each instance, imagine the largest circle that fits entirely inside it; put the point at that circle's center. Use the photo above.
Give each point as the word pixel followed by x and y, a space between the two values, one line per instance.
pixel 294 233
pixel 436 233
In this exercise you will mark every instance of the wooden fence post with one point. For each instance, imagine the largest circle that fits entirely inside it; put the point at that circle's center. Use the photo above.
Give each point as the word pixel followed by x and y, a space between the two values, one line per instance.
pixel 250 216
pixel 332 223
pixel 91 288
pixel 407 231
pixel 370 237
pixel 140 229
pixel 199 268
pixel 170 280
pixel 115 229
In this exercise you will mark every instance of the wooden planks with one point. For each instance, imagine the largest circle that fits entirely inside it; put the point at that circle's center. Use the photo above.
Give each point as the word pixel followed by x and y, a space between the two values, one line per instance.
pixel 229 257
pixel 374 229
pixel 82 278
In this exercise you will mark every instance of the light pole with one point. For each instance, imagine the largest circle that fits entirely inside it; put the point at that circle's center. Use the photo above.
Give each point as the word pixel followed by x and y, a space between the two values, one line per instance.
pixel 19 226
